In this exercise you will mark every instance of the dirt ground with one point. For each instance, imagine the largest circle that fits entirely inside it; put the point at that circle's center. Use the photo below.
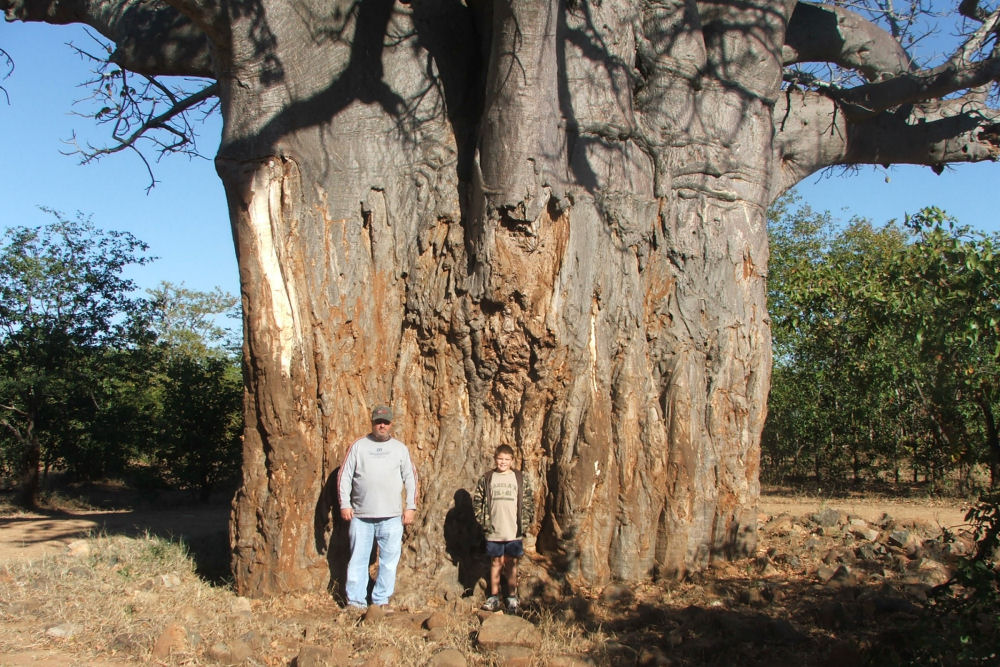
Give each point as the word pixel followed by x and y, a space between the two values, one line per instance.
pixel 33 535
pixel 723 601
pixel 37 534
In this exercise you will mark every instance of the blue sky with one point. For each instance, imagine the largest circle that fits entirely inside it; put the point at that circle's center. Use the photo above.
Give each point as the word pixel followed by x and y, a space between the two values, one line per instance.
pixel 184 218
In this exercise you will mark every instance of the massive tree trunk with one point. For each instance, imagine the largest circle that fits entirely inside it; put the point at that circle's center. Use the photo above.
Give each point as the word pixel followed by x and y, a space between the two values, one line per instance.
pixel 579 274
pixel 529 222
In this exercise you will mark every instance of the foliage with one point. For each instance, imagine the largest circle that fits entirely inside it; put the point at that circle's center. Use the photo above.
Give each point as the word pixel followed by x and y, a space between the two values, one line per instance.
pixel 186 321
pixel 99 382
pixel 198 445
pixel 885 347
pixel 65 313
pixel 964 628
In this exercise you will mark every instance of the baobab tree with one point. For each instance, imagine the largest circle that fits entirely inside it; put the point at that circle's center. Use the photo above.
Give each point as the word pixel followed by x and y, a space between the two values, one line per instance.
pixel 529 222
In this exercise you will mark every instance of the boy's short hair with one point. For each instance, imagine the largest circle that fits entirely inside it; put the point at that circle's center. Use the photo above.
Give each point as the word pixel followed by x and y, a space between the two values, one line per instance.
pixel 504 449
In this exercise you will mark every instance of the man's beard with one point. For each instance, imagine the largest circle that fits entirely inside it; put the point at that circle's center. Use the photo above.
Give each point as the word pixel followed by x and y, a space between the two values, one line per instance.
pixel 380 438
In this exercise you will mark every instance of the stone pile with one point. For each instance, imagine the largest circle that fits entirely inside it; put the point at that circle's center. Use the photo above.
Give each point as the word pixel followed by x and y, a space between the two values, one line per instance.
pixel 841 550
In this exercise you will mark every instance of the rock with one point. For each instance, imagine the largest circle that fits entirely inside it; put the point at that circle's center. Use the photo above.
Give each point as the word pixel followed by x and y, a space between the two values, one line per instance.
pixel 827 518
pixel 866 552
pixel 242 605
pixel 321 656
pixel 569 661
pixel 449 657
pixel 173 638
pixel 515 656
pixel 503 630
pixel 219 652
pixel 653 656
pixel 616 594
pixel 931 572
pixel 438 619
pixel 837 577
pixel 901 539
pixel 437 634
pixel 387 656
pixel 865 533
pixel 127 643
pixel 240 651
pixel 63 630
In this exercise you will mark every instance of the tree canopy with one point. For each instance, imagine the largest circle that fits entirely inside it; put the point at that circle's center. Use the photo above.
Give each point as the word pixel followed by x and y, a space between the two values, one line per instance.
pixel 886 349
pixel 97 380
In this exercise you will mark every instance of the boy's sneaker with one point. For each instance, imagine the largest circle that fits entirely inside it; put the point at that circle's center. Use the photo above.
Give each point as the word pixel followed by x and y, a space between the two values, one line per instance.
pixel 492 604
pixel 513 606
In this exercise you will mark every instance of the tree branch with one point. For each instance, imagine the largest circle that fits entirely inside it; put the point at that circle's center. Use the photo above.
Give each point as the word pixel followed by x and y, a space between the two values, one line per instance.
pixel 813 132
pixel 150 37
pixel 866 101
pixel 835 35
pixel 159 122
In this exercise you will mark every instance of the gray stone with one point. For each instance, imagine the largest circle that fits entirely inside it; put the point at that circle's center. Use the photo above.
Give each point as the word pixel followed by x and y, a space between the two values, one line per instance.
pixel 63 630
pixel 901 539
pixel 503 630
pixel 827 518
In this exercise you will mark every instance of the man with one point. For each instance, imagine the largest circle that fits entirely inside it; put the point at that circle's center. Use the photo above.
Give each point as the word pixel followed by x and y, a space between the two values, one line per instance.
pixel 371 483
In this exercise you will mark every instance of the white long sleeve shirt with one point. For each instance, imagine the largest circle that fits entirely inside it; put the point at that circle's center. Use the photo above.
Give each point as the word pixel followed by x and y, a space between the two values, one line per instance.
pixel 373 476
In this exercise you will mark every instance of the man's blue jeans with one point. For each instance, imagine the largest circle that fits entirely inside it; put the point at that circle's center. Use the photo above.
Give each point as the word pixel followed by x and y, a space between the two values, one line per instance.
pixel 388 534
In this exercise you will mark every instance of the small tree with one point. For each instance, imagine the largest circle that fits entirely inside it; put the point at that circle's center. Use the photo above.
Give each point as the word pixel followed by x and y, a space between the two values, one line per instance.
pixel 943 293
pixel 198 386
pixel 64 305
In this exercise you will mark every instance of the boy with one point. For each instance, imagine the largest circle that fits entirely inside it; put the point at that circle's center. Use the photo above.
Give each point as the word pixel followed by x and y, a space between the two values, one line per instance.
pixel 505 506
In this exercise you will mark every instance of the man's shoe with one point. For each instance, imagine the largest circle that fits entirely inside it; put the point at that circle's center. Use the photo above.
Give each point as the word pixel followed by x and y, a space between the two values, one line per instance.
pixel 513 606
pixel 492 604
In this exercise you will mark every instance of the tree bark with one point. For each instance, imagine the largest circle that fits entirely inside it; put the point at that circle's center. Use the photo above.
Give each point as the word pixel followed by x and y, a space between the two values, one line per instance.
pixel 514 281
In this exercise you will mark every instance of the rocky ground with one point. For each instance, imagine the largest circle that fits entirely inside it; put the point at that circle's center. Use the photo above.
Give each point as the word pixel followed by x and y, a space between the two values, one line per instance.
pixel 827 587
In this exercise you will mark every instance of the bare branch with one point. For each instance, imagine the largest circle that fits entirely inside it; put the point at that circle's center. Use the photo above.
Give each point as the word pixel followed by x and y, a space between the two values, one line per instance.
pixel 965 53
pixel 128 138
pixel 8 63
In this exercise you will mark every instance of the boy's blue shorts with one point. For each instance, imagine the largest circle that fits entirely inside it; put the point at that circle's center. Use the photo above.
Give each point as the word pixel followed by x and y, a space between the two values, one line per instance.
pixel 514 549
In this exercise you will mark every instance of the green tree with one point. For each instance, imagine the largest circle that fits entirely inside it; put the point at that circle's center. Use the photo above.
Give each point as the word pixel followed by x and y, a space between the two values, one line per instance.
pixel 198 386
pixel 885 346
pixel 943 293
pixel 201 422
pixel 191 322
pixel 832 387
pixel 65 307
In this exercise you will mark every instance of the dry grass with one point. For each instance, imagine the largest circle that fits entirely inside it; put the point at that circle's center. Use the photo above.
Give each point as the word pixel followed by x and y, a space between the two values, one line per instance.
pixel 114 598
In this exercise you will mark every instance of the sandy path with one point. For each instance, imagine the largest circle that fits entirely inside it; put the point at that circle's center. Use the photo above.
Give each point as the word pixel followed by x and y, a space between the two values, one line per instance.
pixel 947 514
pixel 34 535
